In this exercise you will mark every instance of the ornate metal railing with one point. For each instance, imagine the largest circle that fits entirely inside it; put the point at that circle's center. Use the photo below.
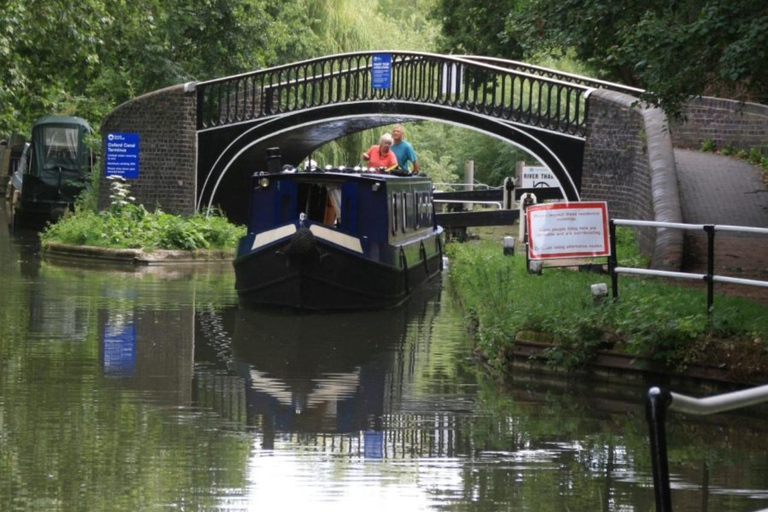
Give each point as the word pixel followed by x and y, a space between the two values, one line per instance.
pixel 555 74
pixel 455 82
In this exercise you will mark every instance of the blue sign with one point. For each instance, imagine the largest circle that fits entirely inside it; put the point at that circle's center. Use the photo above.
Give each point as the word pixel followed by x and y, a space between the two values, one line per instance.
pixel 381 75
pixel 122 158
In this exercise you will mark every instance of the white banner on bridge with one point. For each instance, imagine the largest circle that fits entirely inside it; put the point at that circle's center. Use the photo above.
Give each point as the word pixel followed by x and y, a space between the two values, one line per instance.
pixel 567 230
pixel 538 177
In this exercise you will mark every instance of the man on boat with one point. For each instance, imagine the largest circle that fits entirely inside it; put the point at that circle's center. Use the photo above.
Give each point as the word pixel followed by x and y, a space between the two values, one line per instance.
pixel 381 155
pixel 403 150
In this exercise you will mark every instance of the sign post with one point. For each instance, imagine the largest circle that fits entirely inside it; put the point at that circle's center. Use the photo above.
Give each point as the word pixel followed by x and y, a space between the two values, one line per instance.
pixel 122 155
pixel 567 230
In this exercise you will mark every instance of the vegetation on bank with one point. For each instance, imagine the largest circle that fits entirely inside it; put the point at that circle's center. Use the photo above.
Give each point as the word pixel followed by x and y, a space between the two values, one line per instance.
pixel 663 321
pixel 125 225
pixel 757 156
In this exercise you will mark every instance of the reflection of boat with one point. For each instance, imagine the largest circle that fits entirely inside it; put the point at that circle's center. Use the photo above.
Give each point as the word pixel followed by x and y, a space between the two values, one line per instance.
pixel 308 373
pixel 55 170
pixel 337 240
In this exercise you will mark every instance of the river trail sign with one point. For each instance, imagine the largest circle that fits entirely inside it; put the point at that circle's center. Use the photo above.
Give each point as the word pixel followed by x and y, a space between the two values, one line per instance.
pixel 567 230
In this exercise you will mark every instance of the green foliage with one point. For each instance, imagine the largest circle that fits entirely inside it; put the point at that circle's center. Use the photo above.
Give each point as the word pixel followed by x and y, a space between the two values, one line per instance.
pixel 708 146
pixel 673 50
pixel 85 58
pixel 127 225
pixel 662 321
pixel 628 249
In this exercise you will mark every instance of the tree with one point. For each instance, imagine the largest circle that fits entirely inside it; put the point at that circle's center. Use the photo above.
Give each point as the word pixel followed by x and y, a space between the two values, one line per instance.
pixel 673 49
pixel 476 27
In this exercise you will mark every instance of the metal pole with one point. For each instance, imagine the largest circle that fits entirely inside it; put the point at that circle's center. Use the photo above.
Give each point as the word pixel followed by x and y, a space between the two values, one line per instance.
pixel 469 178
pixel 656 405
pixel 710 278
pixel 612 261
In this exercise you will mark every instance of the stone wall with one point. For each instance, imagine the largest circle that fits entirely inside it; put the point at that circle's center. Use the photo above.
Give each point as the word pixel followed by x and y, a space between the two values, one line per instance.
pixel 629 162
pixel 166 123
pixel 725 122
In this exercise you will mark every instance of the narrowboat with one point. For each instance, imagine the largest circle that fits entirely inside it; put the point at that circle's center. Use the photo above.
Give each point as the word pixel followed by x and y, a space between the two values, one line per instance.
pixel 337 239
pixel 55 170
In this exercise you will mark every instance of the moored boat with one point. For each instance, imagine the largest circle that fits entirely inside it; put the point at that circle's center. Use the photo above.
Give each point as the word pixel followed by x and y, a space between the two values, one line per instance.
pixel 337 239
pixel 53 170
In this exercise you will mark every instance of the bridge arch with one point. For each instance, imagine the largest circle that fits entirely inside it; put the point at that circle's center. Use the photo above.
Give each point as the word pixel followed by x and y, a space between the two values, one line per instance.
pixel 322 99
pixel 299 133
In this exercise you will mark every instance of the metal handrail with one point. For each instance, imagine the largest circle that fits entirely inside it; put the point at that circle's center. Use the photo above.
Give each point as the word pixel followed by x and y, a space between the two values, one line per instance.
pixel 658 401
pixel 455 82
pixel 554 73
pixel 710 278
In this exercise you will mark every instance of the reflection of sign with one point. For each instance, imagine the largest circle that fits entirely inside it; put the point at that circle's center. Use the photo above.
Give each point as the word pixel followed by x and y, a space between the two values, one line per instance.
pixel 373 444
pixel 381 74
pixel 119 356
pixel 538 177
pixel 567 230
pixel 122 155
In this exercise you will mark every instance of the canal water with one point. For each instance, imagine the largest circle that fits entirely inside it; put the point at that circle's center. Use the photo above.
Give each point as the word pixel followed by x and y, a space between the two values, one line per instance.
pixel 154 390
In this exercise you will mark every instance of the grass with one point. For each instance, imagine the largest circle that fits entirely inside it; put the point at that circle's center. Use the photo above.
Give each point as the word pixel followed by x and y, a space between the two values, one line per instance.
pixel 653 318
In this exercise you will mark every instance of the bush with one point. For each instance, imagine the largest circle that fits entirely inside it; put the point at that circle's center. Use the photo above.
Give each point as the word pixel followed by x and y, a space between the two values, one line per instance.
pixel 708 146
pixel 127 225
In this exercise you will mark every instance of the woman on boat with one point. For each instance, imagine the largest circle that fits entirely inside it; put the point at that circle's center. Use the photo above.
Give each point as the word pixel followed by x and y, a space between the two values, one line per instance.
pixel 381 155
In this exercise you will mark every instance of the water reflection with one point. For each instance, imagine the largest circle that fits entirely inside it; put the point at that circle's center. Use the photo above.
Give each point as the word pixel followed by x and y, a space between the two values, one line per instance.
pixel 123 390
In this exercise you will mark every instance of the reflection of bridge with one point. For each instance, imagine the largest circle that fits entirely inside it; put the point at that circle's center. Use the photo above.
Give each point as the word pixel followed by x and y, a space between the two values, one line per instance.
pixel 200 142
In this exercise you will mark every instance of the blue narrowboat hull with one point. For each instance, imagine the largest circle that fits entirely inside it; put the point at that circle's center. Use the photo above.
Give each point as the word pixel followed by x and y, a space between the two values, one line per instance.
pixel 330 278
pixel 391 246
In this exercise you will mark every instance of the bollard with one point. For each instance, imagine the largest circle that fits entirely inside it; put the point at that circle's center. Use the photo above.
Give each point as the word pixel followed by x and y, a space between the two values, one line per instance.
pixel 599 292
pixel 509 246
pixel 534 267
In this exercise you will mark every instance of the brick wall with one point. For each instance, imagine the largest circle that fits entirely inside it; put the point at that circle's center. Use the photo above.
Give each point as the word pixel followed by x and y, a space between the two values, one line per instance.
pixel 629 162
pixel 726 122
pixel 165 121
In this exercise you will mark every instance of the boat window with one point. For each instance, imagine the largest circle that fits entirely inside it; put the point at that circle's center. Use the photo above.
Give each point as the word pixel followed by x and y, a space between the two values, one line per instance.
pixel 417 208
pixel 394 214
pixel 320 203
pixel 60 148
pixel 405 212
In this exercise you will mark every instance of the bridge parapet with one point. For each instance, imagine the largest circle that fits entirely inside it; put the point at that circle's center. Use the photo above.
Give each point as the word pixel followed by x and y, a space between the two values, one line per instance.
pixel 467 85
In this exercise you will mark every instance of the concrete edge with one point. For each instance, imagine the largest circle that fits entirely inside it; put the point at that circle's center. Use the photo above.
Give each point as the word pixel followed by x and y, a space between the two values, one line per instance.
pixel 617 367
pixel 668 249
pixel 138 256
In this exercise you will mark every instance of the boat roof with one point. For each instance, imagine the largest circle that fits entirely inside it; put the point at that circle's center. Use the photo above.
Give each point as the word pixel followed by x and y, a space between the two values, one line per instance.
pixel 336 174
pixel 63 120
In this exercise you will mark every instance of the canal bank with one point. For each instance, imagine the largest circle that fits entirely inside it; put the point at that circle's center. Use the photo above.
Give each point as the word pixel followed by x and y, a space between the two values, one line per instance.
pixel 656 334
pixel 65 253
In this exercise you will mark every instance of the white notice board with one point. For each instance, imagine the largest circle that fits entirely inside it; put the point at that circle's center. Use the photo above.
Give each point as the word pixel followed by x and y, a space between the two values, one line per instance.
pixel 567 230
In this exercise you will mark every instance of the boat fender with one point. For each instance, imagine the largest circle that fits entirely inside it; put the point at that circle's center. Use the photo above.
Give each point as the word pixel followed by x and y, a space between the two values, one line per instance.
pixel 423 256
pixel 302 242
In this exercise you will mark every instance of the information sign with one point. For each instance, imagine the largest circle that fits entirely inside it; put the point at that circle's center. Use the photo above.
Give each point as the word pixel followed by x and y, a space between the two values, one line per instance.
pixel 567 230
pixel 122 158
pixel 381 74
pixel 538 177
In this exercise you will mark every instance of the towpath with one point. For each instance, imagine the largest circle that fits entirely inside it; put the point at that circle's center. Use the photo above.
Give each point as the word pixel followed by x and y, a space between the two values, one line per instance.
pixel 716 189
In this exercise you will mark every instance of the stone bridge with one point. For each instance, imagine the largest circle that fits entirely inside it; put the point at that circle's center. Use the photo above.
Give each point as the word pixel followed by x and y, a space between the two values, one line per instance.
pixel 200 142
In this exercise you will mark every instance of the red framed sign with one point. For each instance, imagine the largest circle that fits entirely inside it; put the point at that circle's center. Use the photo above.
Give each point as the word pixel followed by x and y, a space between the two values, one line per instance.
pixel 567 230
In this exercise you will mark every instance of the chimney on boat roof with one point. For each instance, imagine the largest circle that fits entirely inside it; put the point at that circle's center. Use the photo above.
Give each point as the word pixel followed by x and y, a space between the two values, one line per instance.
pixel 274 162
